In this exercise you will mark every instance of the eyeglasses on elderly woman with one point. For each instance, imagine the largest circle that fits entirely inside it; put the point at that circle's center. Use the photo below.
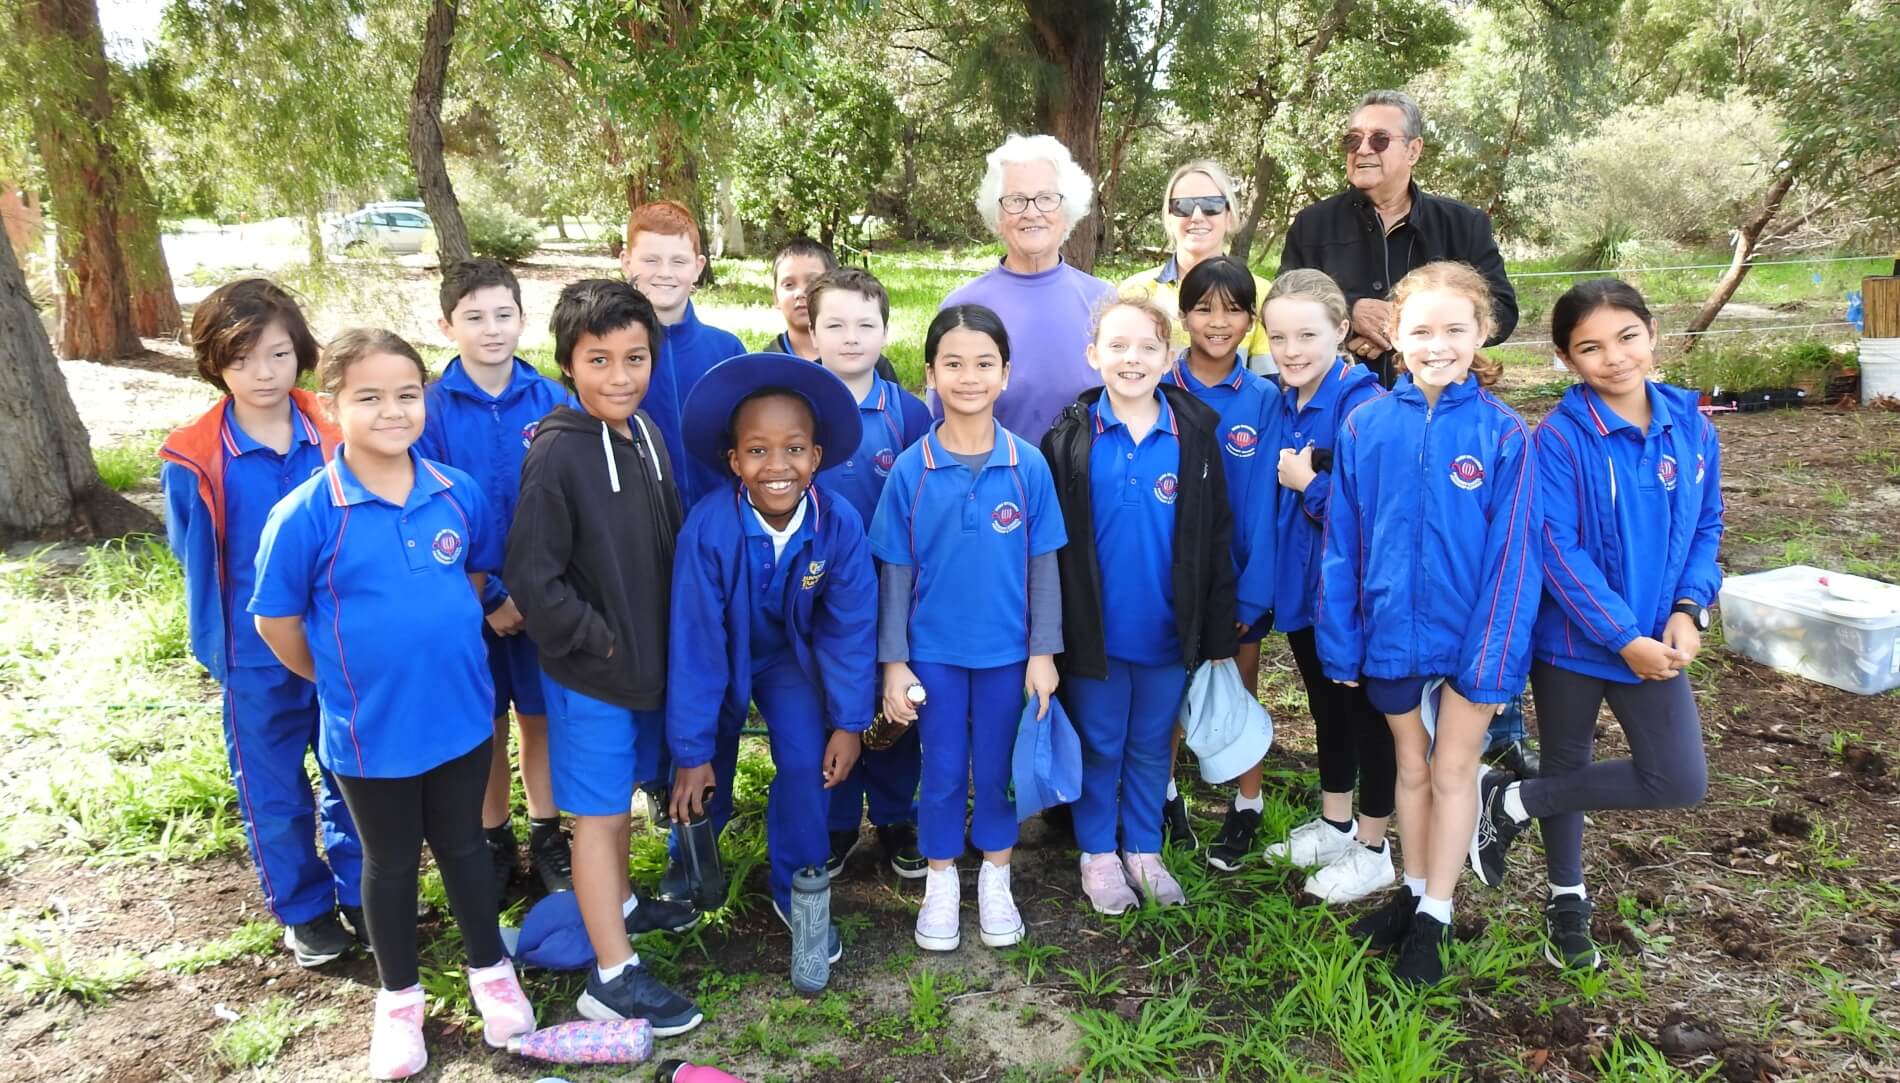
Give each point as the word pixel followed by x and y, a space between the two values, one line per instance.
pixel 1016 203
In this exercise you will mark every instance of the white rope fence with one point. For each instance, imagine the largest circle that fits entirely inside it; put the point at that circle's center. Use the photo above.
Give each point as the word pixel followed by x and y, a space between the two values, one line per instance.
pixel 1602 271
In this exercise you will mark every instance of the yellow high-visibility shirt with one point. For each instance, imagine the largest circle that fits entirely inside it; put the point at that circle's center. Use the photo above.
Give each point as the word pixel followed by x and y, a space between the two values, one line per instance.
pixel 1163 286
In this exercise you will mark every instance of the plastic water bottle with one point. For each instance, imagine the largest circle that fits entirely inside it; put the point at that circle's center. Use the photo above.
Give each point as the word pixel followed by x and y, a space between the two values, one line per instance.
pixel 699 848
pixel 615 1041
pixel 679 1071
pixel 811 928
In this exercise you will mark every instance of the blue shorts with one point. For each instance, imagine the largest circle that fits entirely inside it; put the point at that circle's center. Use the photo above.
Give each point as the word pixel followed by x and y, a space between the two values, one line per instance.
pixel 516 667
pixel 1258 631
pixel 594 750
pixel 1397 695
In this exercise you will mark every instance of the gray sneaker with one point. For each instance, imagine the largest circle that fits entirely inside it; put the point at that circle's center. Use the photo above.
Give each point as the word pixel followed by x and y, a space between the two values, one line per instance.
pixel 811 929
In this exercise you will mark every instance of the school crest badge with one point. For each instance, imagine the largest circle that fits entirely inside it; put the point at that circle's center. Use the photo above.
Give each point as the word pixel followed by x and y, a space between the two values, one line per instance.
pixel 1167 487
pixel 1666 472
pixel 814 571
pixel 528 431
pixel 1467 472
pixel 1701 468
pixel 883 461
pixel 1006 517
pixel 1243 441
pixel 446 546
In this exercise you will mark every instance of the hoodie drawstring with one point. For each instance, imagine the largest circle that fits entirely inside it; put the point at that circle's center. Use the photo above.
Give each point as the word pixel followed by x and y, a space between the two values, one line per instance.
pixel 647 439
pixel 607 450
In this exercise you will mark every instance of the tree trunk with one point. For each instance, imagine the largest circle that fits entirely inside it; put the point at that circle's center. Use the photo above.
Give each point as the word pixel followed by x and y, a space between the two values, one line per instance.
pixel 1260 188
pixel 70 122
pixel 48 483
pixel 674 171
pixel 1267 171
pixel 1072 35
pixel 313 236
pixel 154 301
pixel 1749 236
pixel 425 135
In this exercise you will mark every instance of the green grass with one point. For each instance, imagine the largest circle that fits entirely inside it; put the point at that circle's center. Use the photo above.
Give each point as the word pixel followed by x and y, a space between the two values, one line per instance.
pixel 131 463
pixel 43 973
pixel 260 1034
pixel 249 939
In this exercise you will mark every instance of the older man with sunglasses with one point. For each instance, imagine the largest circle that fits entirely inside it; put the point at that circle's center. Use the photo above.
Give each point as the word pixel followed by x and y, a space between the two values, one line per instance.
pixel 1381 227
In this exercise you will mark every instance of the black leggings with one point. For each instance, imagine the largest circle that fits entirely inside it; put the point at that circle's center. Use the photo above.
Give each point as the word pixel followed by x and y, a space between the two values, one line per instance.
pixel 1667 767
pixel 393 816
pixel 1355 744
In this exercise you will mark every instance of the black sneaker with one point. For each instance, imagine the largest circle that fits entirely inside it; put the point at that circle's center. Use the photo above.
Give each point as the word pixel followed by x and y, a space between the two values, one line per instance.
pixel 899 843
pixel 637 994
pixel 1516 757
pixel 358 925
pixel 653 798
pixel 550 857
pixel 1491 842
pixel 661 916
pixel 501 851
pixel 1567 943
pixel 1175 829
pixel 317 941
pixel 1385 929
pixel 843 845
pixel 1422 961
pixel 1234 844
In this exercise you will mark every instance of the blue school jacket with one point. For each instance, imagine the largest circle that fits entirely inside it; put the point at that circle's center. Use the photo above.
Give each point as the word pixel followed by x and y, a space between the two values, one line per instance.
pixel 691 347
pixel 1249 437
pixel 1632 522
pixel 1299 519
pixel 830 617
pixel 486 436
pixel 1431 567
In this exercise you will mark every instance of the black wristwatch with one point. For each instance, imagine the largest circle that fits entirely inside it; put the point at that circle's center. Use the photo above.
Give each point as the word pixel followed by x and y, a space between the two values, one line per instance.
pixel 1697 613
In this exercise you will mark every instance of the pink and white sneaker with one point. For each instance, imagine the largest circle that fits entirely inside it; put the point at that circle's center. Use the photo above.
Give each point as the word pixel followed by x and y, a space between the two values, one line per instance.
pixel 1146 872
pixel 505 1010
pixel 395 1045
pixel 1106 887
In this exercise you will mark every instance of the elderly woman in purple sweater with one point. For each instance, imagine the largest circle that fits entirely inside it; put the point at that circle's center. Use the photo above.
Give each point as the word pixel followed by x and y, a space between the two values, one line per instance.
pixel 1032 195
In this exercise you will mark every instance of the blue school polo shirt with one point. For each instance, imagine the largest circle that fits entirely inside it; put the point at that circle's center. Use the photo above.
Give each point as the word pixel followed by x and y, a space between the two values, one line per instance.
pixel 893 420
pixel 256 477
pixel 394 626
pixel 969 536
pixel 1132 490
pixel 1249 435
pixel 771 646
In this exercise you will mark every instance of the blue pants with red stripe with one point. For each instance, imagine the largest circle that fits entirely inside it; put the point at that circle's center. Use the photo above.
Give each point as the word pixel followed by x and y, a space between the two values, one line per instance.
pixel 967 726
pixel 887 778
pixel 1125 723
pixel 270 722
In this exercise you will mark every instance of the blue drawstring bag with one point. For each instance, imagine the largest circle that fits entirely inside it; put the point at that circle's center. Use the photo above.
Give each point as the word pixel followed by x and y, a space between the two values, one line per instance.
pixel 1046 768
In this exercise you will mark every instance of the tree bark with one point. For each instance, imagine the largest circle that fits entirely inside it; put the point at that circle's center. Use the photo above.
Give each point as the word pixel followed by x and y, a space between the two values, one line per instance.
pixel 48 483
pixel 1072 35
pixel 1260 184
pixel 425 135
pixel 71 118
pixel 154 300
pixel 1749 236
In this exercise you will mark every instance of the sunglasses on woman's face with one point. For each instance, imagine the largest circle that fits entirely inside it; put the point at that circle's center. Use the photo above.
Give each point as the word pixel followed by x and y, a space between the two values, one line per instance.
pixel 1185 206
pixel 1377 141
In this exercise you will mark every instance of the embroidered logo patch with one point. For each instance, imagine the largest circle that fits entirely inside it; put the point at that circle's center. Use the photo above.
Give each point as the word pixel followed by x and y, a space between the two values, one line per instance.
pixel 1467 472
pixel 883 461
pixel 1006 517
pixel 528 431
pixel 1666 472
pixel 1167 487
pixel 446 546
pixel 1243 441
pixel 814 571
pixel 1701 468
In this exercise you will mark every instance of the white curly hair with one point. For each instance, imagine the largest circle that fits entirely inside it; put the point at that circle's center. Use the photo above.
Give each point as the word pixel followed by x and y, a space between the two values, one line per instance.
pixel 1078 191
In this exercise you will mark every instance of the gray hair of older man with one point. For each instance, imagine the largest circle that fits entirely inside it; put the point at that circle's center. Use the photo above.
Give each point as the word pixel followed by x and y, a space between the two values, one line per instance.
pixel 1404 103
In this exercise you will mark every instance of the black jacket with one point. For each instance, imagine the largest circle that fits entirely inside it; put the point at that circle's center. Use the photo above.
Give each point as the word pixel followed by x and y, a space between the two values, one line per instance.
pixel 1203 528
pixel 1342 236
pixel 591 568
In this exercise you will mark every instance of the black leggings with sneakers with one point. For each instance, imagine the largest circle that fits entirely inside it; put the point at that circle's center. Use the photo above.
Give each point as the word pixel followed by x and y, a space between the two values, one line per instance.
pixel 393 817
pixel 1355 743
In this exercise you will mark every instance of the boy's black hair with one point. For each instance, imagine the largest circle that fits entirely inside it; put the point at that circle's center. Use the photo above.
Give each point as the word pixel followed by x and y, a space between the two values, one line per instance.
pixel 1586 297
pixel 597 306
pixel 1224 275
pixel 465 276
pixel 804 246
pixel 972 317
pixel 848 280
pixel 228 323
pixel 732 420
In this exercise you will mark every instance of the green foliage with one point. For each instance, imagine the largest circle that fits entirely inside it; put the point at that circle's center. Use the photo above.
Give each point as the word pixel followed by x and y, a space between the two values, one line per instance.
pixel 810 157
pixel 1744 366
pixel 250 938
pixel 499 231
pixel 44 974
pixel 128 465
pixel 260 1034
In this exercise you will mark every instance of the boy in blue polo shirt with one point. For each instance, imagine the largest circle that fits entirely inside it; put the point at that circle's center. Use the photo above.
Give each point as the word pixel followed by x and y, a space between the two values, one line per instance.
pixel 483 411
pixel 774 602
pixel 849 313
pixel 798 264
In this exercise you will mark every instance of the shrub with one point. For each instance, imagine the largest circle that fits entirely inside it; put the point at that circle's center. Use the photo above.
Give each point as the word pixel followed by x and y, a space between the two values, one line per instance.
pixel 498 231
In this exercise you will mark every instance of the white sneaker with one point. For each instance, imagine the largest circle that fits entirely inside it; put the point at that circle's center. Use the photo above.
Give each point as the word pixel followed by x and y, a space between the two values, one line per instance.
pixel 1313 844
pixel 937 923
pixel 997 918
pixel 1353 875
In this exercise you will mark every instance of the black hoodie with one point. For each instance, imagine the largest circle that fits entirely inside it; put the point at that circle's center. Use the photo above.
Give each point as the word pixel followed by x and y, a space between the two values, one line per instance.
pixel 590 556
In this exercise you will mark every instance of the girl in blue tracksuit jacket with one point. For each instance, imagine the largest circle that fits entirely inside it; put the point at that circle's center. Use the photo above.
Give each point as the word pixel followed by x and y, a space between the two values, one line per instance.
pixel 1436 478
pixel 1629 473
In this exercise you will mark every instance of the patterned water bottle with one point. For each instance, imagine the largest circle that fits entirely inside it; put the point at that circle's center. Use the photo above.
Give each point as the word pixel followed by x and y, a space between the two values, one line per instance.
pixel 811 928
pixel 586 1041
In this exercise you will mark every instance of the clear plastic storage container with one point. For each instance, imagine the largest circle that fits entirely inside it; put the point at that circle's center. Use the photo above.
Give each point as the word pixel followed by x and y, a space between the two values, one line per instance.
pixel 1839 629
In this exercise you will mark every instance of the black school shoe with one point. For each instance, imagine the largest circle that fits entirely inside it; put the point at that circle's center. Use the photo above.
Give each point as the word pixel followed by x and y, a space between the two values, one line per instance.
pixel 1422 961
pixel 843 845
pixel 501 850
pixel 1176 830
pixel 1517 757
pixel 1234 844
pixel 550 857
pixel 358 925
pixel 1491 842
pixel 654 915
pixel 899 843
pixel 1567 943
pixel 317 941
pixel 1386 928
pixel 637 994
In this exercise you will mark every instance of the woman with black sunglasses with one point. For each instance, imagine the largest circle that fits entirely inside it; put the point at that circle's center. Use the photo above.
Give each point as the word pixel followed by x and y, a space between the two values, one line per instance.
pixel 1199 213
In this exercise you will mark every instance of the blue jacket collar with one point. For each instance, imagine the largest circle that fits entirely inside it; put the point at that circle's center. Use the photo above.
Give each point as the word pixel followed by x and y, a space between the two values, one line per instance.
pixel 345 490
pixel 1595 415
pixel 239 442
pixel 937 457
pixel 1183 375
pixel 688 326
pixel 1345 373
pixel 1454 394
pixel 455 378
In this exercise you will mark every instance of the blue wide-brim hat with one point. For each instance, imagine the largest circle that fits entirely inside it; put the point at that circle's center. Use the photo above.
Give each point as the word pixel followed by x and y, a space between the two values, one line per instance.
pixel 706 419
pixel 1046 766
pixel 552 936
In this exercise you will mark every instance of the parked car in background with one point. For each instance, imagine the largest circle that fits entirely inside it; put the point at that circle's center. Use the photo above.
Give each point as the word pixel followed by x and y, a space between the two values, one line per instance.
pixel 398 228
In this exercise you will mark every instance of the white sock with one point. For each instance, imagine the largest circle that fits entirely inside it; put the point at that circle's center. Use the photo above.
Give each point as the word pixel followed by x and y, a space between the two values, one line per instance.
pixel 1088 857
pixel 1173 790
pixel 1514 804
pixel 1256 803
pixel 627 908
pixel 1438 908
pixel 1560 889
pixel 609 973
pixel 1415 885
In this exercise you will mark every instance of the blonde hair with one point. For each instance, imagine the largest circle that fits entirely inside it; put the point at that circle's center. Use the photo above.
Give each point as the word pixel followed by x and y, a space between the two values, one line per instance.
pixel 1306 284
pixel 357 344
pixel 1448 276
pixel 1212 170
pixel 1142 303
